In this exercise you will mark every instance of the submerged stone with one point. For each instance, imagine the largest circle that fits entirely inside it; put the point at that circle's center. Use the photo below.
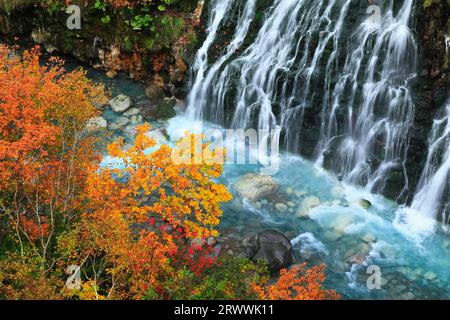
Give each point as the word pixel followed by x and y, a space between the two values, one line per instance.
pixel 119 123
pixel 366 204
pixel 255 187
pixel 96 123
pixel 306 206
pixel 120 103
pixel 131 112
pixel 270 246
pixel 281 207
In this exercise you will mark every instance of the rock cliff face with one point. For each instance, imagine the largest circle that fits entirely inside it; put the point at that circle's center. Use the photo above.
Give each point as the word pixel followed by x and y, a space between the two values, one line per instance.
pixel 159 54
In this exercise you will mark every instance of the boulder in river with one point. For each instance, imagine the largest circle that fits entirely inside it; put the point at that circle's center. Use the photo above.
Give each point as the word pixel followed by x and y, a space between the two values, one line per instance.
pixel 164 109
pixel 119 123
pixel 121 103
pixel 281 207
pixel 154 92
pixel 270 246
pixel 366 204
pixel 307 204
pixel 131 112
pixel 96 123
pixel 255 187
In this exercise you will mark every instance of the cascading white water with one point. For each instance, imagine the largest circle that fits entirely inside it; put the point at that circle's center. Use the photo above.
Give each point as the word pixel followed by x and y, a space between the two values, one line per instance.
pixel 202 85
pixel 377 124
pixel 219 8
pixel 301 54
pixel 433 197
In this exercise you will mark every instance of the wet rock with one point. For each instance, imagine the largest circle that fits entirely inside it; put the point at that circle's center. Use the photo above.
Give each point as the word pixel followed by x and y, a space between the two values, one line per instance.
pixel 357 258
pixel 120 103
pixel 39 35
pixel 341 223
pixel 407 296
pixel 300 194
pixel 166 108
pixel 96 123
pixel 369 238
pixel 270 246
pixel 49 48
pixel 364 248
pixel 291 204
pixel 163 110
pixel 136 119
pixel 447 244
pixel 366 204
pixel 111 74
pixel 281 207
pixel 331 236
pixel 154 92
pixel 119 123
pixel 306 205
pixel 255 187
pixel 257 205
pixel 430 276
pixel 290 235
pixel 131 112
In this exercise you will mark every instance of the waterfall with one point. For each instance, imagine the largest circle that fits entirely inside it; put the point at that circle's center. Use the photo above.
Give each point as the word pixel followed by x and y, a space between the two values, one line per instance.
pixel 377 124
pixel 306 61
pixel 432 194
pixel 219 8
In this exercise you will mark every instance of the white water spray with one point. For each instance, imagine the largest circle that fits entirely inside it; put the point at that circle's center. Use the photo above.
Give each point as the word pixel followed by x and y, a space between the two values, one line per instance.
pixel 433 196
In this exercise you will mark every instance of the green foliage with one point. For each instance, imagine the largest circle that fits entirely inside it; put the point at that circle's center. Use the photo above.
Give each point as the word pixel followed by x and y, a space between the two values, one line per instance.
pixel 22 276
pixel 229 278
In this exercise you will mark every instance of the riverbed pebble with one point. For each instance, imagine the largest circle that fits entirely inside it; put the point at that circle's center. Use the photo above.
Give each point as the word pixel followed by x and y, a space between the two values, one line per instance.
pixel 281 207
pixel 306 205
pixel 119 123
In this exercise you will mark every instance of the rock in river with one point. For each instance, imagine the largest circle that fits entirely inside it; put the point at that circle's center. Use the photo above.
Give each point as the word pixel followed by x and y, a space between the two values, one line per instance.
pixel 119 123
pixel 270 246
pixel 120 103
pixel 307 205
pixel 96 123
pixel 255 187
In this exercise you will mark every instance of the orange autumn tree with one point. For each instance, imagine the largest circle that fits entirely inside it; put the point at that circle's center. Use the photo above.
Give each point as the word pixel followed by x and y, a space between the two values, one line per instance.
pixel 297 283
pixel 44 148
pixel 139 218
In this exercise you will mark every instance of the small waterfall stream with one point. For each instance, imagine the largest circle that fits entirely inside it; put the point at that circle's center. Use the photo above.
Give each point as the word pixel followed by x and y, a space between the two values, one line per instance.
pixel 377 124
pixel 432 197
